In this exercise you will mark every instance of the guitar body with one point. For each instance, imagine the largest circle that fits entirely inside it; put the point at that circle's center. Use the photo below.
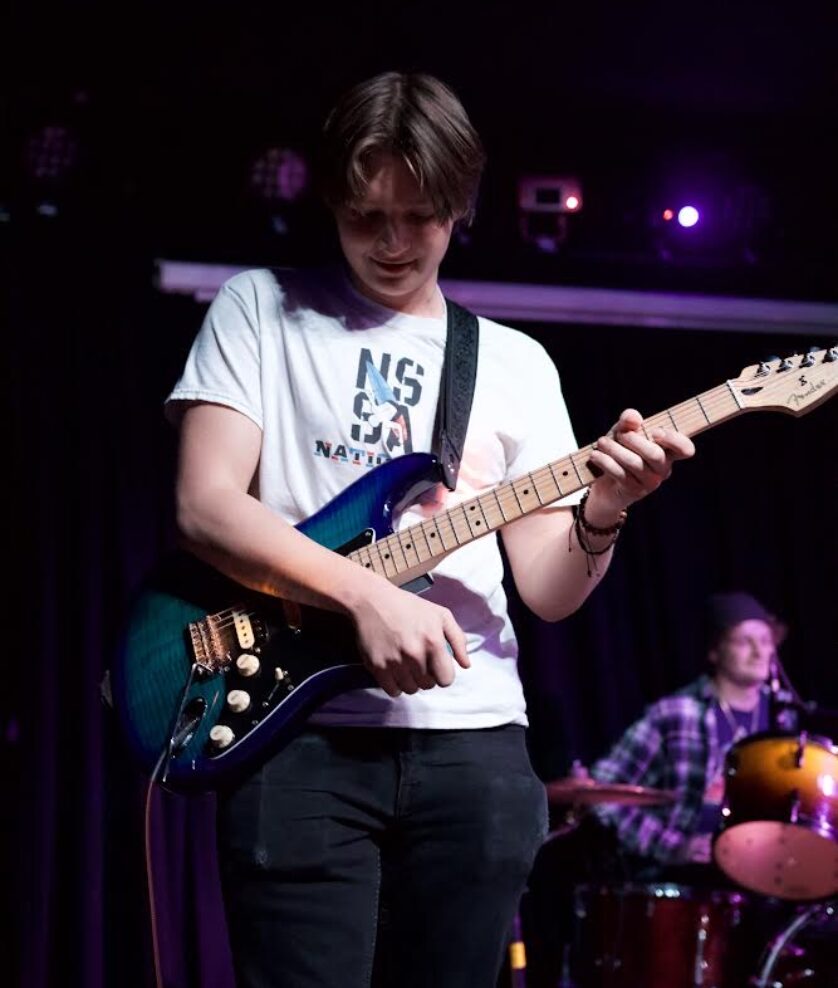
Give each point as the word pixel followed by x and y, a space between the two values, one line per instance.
pixel 276 665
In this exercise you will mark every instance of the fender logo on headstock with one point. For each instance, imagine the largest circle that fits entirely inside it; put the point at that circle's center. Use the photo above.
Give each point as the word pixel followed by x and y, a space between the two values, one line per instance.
pixel 796 399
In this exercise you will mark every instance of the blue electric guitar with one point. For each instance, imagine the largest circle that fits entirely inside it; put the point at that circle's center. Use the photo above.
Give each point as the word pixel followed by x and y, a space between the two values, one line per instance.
pixel 211 679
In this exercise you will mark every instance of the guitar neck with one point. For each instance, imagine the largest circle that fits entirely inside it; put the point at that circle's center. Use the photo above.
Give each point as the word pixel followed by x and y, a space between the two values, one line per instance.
pixel 416 550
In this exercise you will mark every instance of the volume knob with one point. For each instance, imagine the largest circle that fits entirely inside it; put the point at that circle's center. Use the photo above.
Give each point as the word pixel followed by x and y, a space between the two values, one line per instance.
pixel 247 664
pixel 238 700
pixel 221 736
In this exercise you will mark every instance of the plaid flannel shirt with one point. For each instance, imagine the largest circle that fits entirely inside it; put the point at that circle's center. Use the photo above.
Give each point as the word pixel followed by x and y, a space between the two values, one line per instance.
pixel 672 746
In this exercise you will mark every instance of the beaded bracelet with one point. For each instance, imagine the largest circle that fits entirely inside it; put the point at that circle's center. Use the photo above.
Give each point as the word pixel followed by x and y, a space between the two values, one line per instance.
pixel 594 529
pixel 581 525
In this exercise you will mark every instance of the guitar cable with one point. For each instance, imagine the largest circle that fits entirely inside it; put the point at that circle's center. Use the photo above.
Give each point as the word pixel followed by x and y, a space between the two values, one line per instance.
pixel 179 736
pixel 149 871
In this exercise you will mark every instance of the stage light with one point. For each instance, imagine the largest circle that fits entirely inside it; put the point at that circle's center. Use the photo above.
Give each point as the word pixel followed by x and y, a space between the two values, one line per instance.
pixel 51 153
pixel 688 216
pixel 667 215
pixel 279 174
pixel 544 201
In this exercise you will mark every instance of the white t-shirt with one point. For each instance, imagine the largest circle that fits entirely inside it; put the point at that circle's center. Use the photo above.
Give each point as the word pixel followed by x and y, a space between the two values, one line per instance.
pixel 339 384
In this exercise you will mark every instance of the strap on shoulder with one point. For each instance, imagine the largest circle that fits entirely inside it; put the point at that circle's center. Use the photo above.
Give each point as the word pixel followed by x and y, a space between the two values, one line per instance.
pixel 456 391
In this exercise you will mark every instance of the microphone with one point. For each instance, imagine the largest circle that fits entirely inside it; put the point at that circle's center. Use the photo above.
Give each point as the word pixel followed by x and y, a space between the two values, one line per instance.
pixel 774 677
pixel 784 703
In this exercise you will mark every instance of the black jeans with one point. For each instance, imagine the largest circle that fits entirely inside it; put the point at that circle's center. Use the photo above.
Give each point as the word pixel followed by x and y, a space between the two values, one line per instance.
pixel 383 856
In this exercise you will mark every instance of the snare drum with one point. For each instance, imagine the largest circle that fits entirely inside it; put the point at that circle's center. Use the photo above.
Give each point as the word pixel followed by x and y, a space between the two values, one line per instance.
pixel 659 936
pixel 779 832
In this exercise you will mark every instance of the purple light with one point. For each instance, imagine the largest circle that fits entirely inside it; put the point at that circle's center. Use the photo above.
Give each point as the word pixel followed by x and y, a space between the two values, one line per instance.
pixel 688 216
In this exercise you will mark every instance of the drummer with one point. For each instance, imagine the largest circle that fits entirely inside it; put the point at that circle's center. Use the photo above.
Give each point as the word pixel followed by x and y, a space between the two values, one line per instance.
pixel 680 744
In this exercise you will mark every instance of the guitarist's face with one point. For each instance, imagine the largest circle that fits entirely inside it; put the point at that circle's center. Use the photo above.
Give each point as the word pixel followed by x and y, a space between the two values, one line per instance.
pixel 393 240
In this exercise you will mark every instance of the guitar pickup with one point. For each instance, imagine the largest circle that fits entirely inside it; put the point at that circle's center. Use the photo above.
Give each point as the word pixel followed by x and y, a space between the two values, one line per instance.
pixel 244 629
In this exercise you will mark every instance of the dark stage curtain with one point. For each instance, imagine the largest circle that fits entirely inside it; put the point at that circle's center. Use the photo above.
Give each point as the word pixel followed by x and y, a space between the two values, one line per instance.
pixel 94 351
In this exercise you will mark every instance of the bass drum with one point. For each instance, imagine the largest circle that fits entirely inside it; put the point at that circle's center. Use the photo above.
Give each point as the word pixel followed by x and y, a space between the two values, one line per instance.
pixel 779 832
pixel 659 936
pixel 805 953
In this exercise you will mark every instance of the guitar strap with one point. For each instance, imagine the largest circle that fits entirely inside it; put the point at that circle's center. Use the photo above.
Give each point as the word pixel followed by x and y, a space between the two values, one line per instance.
pixel 456 391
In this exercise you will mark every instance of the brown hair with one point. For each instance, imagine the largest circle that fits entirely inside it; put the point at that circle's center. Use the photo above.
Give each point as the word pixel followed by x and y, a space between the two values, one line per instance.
pixel 416 117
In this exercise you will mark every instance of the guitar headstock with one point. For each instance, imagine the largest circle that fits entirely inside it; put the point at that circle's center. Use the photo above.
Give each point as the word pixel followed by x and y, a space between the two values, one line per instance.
pixel 796 384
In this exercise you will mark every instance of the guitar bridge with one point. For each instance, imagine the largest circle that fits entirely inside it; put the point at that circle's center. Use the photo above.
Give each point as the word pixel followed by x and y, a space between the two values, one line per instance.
pixel 217 637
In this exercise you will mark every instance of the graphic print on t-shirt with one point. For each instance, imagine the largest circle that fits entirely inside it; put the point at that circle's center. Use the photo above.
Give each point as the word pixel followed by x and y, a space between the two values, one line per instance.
pixel 381 412
pixel 380 426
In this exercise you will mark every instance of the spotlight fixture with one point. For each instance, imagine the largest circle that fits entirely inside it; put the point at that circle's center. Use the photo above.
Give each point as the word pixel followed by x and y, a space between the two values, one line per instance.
pixel 544 203
pixel 279 174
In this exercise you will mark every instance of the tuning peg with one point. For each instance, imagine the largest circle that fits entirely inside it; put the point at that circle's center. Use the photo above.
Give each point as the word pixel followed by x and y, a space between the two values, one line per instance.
pixel 809 359
pixel 831 354
pixel 785 364
pixel 765 366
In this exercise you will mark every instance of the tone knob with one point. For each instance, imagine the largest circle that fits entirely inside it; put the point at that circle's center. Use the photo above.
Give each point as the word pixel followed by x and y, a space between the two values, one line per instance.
pixel 221 736
pixel 238 700
pixel 247 664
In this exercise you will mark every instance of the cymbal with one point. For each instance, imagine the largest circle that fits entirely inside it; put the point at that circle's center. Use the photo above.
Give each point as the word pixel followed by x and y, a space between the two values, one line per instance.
pixel 590 792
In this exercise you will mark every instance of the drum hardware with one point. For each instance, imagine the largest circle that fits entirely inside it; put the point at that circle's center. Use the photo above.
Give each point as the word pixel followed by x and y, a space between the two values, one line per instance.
pixel 700 943
pixel 819 971
pixel 794 811
pixel 801 747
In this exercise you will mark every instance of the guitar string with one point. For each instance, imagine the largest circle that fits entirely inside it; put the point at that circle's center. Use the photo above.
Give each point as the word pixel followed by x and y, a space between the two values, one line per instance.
pixel 507 496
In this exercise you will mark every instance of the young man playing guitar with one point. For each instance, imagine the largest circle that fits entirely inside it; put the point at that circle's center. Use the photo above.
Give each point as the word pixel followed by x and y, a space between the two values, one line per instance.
pixel 390 839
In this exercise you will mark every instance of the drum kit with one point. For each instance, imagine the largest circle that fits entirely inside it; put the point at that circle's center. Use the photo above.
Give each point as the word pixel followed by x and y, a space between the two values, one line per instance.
pixel 772 924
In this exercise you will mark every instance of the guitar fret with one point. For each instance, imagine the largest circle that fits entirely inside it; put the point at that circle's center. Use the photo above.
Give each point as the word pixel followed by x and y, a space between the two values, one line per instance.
pixel 566 473
pixel 475 518
pixel 434 521
pixel 422 528
pixel 363 557
pixel 525 492
pixel 576 468
pixel 496 495
pixel 395 542
pixel 511 505
pixel 452 517
pixel 386 565
pixel 552 468
pixel 511 487
pixel 548 489
pixel 690 416
pixel 729 402
pixel 409 549
pixel 492 511
pixel 535 487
